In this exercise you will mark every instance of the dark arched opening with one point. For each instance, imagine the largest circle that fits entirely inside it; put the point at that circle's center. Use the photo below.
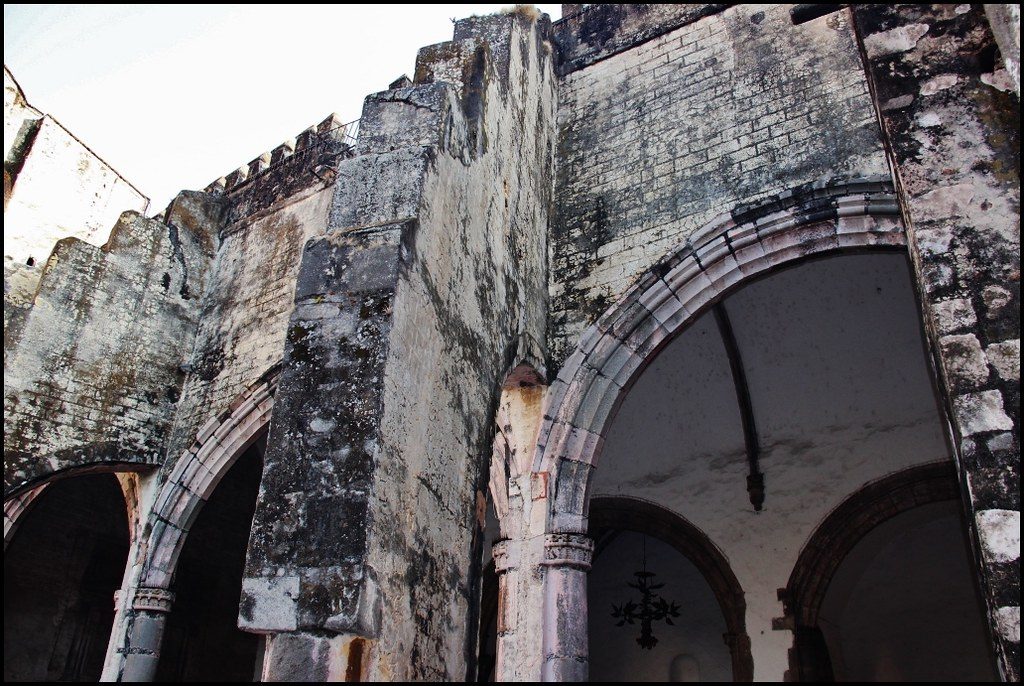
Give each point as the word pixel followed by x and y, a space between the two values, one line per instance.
pixel 202 641
pixel 60 573
pixel 884 589
pixel 610 516
pixel 488 639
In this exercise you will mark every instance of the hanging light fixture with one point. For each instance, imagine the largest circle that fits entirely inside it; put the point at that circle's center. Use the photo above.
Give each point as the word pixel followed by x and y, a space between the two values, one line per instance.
pixel 651 608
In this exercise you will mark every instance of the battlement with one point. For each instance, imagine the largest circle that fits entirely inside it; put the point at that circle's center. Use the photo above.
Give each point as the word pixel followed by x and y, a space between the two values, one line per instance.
pixel 307 144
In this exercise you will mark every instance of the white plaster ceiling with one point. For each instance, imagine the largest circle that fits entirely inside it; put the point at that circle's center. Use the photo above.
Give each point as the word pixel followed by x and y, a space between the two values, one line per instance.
pixel 834 359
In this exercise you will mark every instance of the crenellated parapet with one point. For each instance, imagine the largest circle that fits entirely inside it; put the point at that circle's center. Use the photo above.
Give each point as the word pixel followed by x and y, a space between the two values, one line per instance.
pixel 331 136
pixel 93 373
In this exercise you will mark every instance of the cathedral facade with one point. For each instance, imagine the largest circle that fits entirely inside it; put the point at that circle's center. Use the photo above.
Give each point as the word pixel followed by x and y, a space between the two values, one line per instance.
pixel 661 342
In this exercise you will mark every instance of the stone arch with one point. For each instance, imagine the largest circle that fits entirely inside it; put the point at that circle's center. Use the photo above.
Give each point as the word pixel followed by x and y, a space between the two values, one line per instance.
pixel 726 253
pixel 833 540
pixel 639 515
pixel 61 572
pixel 723 255
pixel 21 499
pixel 24 473
pixel 195 475
pixel 850 521
pixel 17 506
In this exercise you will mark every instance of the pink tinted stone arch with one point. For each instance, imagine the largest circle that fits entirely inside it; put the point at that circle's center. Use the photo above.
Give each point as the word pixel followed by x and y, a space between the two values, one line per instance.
pixel 15 507
pixel 219 443
pixel 723 255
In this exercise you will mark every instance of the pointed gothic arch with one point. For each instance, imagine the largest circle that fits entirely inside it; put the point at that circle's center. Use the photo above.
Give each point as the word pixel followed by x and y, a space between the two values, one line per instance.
pixel 219 443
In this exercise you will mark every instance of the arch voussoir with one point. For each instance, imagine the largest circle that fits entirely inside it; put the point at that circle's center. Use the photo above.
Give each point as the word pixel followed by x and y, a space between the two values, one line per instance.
pixel 693 287
pixel 720 256
pixel 15 507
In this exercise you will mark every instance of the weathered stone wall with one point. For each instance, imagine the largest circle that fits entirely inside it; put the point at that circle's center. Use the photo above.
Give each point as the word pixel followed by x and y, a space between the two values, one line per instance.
pixel 471 307
pixel 54 164
pixel 271 208
pixel 1005 23
pixel 268 209
pixel 953 136
pixel 19 119
pixel 93 373
pixel 409 313
pixel 702 121
pixel 589 33
pixel 44 162
pixel 401 283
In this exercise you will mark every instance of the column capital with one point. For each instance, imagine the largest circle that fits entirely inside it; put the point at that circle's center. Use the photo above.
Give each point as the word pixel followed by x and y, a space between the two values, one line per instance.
pixel 153 599
pixel 568 550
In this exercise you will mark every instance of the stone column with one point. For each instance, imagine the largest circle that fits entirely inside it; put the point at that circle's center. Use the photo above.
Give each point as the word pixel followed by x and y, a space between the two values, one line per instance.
pixel 150 608
pixel 567 559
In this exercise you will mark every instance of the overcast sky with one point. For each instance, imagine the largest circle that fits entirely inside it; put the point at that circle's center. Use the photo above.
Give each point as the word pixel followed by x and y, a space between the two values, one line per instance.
pixel 174 97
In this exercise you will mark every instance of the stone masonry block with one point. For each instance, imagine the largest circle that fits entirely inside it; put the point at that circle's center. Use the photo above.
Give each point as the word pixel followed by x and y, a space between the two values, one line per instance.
pixel 269 604
pixel 965 361
pixel 981 412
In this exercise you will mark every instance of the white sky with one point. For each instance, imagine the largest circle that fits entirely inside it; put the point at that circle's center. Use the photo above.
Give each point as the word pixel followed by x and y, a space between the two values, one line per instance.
pixel 174 97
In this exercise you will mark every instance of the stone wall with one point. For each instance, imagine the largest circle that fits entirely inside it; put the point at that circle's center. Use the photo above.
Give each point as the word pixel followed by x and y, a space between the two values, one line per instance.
pixel 272 206
pixel 952 126
pixel 54 164
pixel 425 292
pixel 93 373
pixel 266 211
pixel 472 307
pixel 589 33
pixel 43 161
pixel 396 285
pixel 20 119
pixel 702 121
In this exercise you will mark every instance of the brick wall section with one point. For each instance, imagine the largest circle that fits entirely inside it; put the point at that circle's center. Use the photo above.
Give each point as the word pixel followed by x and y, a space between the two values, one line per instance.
pixel 587 34
pixel 95 373
pixel 953 134
pixel 718 114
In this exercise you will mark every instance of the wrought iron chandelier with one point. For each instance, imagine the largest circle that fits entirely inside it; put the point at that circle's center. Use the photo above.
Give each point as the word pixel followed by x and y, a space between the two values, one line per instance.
pixel 651 608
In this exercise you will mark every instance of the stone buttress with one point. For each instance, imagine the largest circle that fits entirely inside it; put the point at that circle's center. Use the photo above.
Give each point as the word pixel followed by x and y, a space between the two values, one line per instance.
pixel 428 286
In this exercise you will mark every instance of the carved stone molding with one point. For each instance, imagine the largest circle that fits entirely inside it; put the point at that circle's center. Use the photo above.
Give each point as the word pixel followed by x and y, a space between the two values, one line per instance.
pixel 568 550
pixel 153 599
pixel 505 556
